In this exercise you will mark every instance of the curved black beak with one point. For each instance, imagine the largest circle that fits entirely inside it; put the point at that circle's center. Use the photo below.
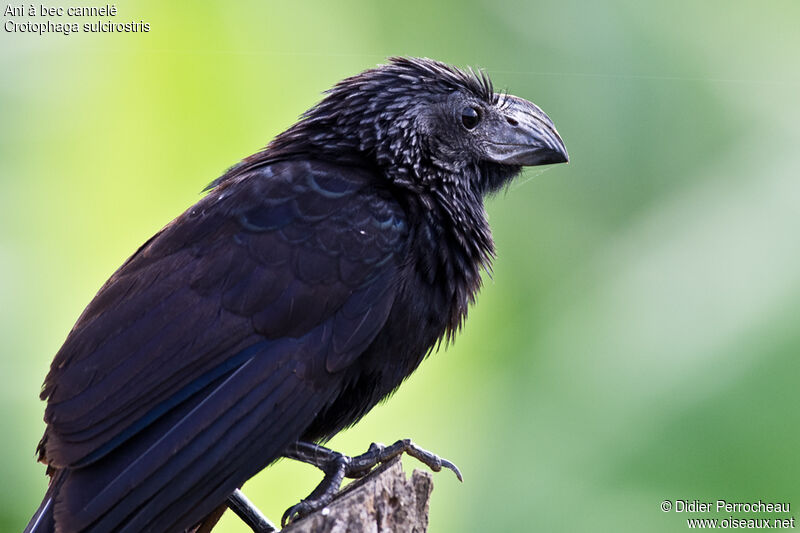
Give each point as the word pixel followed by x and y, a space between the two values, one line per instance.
pixel 527 137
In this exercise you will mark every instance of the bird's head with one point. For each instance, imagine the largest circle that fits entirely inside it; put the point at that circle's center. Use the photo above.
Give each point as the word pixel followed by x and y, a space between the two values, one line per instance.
pixel 423 122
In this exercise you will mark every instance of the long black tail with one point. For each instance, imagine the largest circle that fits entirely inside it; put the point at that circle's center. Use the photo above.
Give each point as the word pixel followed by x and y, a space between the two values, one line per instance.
pixel 43 520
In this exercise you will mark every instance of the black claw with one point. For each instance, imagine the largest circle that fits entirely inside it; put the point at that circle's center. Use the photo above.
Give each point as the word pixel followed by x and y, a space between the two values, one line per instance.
pixel 288 515
pixel 454 468
pixel 306 507
pixel 295 512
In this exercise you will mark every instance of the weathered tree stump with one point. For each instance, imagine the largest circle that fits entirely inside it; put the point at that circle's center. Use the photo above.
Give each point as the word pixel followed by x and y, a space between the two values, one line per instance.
pixel 383 501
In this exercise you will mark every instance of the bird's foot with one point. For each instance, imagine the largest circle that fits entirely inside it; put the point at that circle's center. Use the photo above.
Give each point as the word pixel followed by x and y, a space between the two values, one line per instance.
pixel 337 466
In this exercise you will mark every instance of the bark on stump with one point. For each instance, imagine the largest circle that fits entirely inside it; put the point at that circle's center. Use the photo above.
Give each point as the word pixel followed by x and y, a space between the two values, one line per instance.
pixel 382 501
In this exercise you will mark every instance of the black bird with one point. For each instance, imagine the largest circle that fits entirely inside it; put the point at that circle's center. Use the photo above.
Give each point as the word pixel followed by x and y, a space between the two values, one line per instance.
pixel 308 283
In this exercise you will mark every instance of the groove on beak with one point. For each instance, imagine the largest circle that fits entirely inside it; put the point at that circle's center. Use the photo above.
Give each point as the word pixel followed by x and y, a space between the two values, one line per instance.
pixel 527 137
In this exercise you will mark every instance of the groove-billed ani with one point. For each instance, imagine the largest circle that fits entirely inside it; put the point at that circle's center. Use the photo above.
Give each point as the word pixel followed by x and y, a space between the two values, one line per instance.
pixel 304 287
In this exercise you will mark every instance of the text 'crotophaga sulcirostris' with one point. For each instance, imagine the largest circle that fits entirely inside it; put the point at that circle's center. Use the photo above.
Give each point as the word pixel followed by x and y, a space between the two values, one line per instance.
pixel 302 289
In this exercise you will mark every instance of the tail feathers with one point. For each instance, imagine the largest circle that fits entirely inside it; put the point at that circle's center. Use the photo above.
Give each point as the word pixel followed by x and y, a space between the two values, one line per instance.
pixel 42 520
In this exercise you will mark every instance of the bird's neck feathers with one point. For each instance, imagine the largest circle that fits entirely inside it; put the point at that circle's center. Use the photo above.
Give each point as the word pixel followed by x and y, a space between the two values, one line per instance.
pixel 359 123
pixel 455 245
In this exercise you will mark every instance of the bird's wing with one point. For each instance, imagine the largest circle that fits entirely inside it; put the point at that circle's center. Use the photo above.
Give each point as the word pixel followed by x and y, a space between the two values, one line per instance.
pixel 216 344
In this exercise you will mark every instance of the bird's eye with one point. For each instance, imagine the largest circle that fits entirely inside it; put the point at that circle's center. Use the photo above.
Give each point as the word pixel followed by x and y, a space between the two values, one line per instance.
pixel 470 117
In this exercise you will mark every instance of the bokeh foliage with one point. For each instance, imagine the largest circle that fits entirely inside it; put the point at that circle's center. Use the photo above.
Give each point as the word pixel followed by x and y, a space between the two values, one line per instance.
pixel 639 339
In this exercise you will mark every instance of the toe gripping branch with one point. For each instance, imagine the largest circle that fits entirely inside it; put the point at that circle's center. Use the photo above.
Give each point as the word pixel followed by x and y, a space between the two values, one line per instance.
pixel 336 467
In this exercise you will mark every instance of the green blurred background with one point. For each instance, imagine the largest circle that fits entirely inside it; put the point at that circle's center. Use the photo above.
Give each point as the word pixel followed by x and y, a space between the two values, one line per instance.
pixel 639 340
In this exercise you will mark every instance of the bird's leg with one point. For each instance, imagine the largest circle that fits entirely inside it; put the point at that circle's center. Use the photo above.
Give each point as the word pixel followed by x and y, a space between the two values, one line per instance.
pixel 249 513
pixel 337 466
